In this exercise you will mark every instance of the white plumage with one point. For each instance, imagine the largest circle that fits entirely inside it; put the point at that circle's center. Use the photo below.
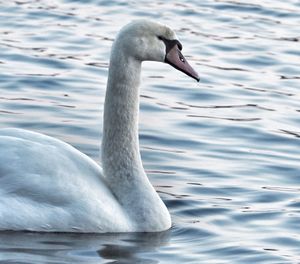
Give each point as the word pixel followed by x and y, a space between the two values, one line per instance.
pixel 47 185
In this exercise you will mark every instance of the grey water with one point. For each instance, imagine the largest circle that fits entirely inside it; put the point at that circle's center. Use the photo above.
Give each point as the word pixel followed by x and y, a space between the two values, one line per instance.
pixel 224 154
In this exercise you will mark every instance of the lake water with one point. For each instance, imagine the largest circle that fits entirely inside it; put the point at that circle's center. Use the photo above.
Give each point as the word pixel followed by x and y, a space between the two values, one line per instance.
pixel 224 154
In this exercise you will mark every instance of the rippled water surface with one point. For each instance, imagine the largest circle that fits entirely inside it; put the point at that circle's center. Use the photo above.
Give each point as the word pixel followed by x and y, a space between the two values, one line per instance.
pixel 223 154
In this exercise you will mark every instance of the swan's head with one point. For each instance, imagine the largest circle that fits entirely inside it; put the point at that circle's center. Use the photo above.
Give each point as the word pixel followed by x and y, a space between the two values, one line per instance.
pixel 150 41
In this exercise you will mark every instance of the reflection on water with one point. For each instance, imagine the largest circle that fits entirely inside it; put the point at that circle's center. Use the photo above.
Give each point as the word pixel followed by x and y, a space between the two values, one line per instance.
pixel 20 247
pixel 223 153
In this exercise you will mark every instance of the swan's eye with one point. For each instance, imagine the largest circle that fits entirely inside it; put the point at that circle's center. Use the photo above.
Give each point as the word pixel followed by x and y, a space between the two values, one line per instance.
pixel 160 37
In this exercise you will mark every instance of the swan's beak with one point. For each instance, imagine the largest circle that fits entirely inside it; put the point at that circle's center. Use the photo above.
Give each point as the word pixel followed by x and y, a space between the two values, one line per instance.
pixel 175 58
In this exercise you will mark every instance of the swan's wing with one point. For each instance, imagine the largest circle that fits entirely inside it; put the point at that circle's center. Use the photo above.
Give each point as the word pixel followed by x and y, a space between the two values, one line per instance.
pixel 46 182
pixel 35 167
pixel 24 153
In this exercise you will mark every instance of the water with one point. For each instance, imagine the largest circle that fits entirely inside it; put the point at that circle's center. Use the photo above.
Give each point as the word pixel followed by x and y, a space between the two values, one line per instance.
pixel 223 154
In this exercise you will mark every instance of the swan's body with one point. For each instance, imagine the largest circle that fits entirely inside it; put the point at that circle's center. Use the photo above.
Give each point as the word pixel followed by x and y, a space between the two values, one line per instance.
pixel 47 185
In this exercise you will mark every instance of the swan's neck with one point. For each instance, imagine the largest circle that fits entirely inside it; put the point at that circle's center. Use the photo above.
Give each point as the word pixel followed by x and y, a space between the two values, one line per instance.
pixel 121 160
pixel 120 146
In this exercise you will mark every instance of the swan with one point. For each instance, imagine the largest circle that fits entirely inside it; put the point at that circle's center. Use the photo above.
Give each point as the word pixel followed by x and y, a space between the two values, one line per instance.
pixel 46 185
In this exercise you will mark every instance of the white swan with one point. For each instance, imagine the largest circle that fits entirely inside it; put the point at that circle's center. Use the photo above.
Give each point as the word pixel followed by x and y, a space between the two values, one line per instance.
pixel 47 185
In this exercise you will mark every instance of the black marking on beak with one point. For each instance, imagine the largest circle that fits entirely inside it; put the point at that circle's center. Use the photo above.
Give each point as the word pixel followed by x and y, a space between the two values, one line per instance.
pixel 175 58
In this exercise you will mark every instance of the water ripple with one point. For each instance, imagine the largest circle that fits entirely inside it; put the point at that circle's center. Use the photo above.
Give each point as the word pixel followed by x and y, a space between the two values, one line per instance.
pixel 223 154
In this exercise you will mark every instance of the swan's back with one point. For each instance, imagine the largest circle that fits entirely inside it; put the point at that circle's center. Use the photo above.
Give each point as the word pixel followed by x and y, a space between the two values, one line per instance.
pixel 47 185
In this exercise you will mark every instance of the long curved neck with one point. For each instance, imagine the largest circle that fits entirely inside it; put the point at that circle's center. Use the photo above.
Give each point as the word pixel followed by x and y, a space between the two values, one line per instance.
pixel 121 160
pixel 120 145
